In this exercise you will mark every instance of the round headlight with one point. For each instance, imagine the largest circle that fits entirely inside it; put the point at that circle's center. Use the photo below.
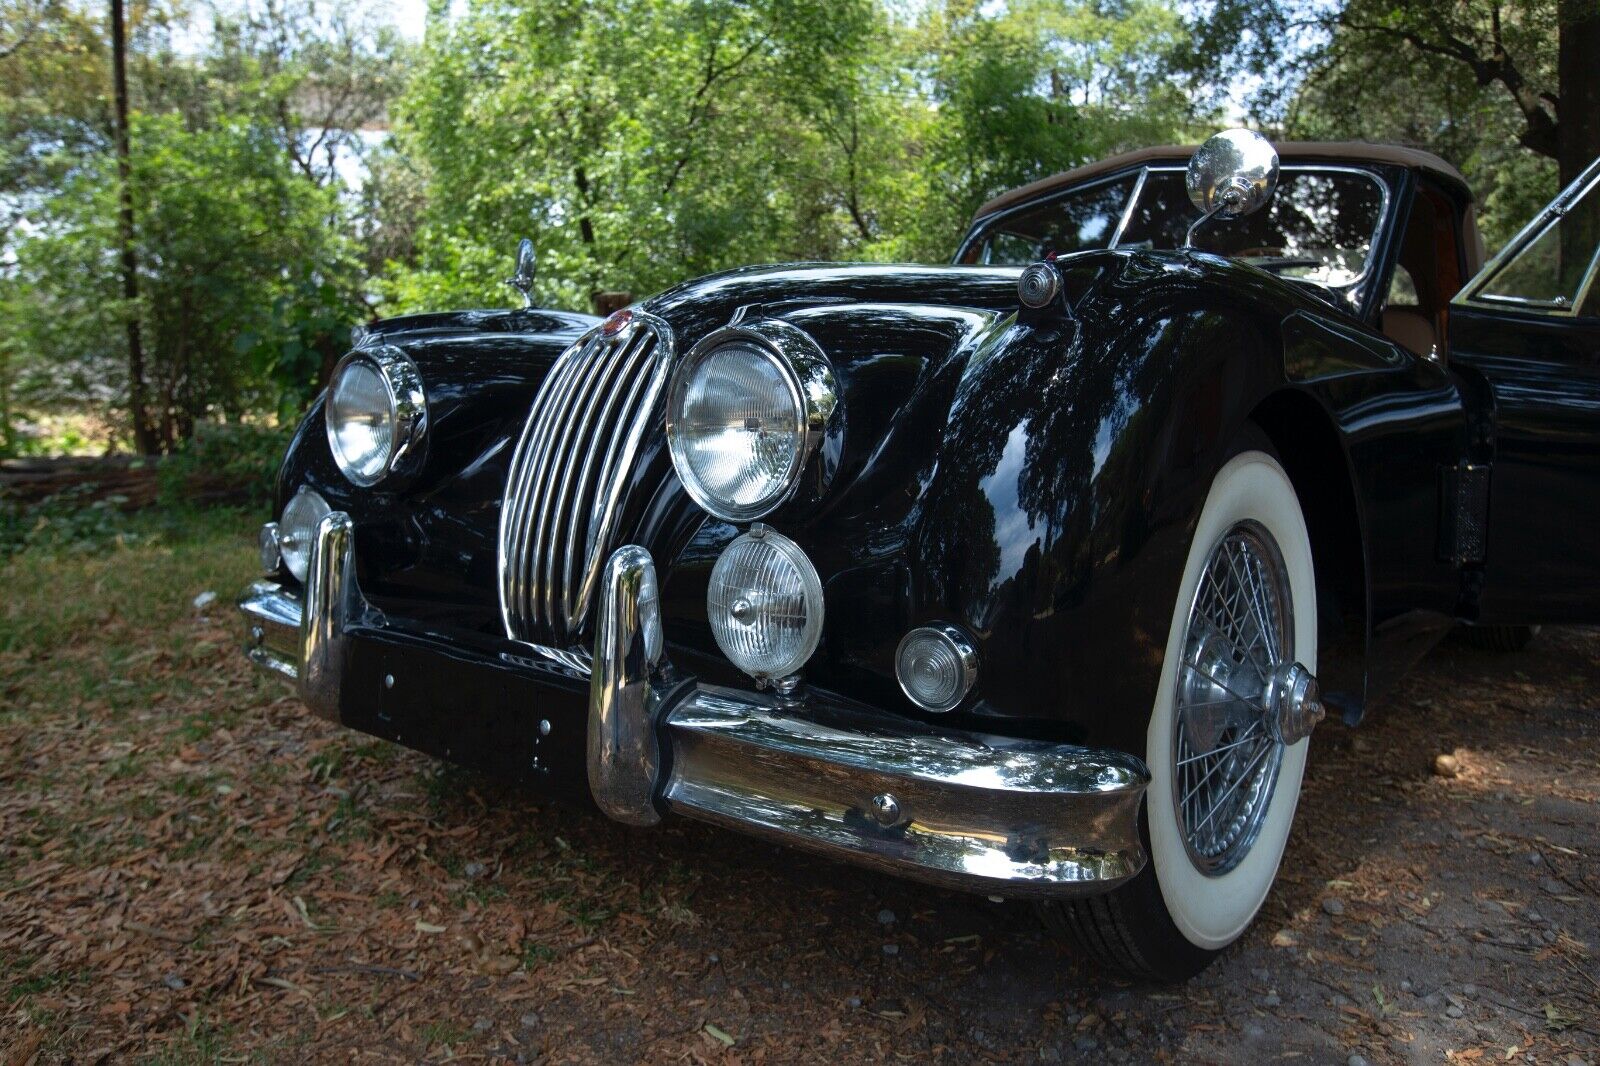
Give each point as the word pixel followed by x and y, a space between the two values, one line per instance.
pixel 936 666
pixel 297 530
pixel 375 413
pixel 765 604
pixel 744 412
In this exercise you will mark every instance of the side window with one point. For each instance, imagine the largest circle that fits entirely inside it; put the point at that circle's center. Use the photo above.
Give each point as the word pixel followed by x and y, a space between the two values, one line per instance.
pixel 1402 289
pixel 1554 270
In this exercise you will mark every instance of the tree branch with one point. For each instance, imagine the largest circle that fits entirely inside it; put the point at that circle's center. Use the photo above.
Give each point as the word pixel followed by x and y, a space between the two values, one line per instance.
pixel 1539 133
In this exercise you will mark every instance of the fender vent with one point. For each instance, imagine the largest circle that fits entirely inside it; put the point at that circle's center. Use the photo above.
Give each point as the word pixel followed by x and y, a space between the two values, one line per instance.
pixel 572 464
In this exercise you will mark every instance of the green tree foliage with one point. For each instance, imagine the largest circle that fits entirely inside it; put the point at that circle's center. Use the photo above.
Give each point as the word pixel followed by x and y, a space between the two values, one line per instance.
pixel 1509 92
pixel 639 142
pixel 244 284
pixel 250 274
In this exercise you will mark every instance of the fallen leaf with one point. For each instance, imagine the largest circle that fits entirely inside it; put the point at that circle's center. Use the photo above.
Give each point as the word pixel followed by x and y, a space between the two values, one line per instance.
pixel 26 1049
pixel 1556 1019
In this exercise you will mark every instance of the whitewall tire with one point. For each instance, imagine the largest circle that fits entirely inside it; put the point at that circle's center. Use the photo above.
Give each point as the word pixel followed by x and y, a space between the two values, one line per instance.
pixel 1226 741
pixel 1213 910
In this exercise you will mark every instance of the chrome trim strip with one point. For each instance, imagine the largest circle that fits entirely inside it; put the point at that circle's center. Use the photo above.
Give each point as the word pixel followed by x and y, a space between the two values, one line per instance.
pixel 559 414
pixel 1127 208
pixel 577 452
pixel 552 401
pixel 615 470
pixel 1012 818
pixel 623 753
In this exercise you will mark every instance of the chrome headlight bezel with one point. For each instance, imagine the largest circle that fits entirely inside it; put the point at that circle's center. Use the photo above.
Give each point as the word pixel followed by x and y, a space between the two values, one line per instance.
pixel 407 414
pixel 811 391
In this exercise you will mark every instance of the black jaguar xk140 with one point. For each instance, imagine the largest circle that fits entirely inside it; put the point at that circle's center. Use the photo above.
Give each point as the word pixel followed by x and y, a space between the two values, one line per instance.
pixel 1029 575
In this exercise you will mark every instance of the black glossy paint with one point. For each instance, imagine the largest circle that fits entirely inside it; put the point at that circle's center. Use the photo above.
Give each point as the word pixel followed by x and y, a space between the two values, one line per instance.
pixel 1033 476
pixel 426 548
pixel 1543 374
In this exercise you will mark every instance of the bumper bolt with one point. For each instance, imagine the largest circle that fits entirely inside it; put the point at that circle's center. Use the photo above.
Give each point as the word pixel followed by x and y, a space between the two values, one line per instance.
pixel 886 809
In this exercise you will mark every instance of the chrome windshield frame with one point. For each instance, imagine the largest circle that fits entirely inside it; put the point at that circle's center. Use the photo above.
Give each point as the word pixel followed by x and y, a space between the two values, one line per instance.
pixel 1352 291
pixel 1552 214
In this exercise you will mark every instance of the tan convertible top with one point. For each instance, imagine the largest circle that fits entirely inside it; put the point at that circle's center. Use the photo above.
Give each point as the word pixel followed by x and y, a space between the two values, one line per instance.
pixel 1288 151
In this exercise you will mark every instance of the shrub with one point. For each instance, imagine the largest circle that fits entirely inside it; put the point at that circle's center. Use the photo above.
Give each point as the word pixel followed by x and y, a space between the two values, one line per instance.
pixel 70 520
pixel 233 463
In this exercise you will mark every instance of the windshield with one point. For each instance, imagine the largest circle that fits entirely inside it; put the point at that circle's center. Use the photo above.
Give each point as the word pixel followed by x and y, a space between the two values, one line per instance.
pixel 1318 227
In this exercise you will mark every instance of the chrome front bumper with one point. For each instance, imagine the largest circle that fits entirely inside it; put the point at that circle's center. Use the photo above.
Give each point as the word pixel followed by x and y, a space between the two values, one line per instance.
pixel 979 813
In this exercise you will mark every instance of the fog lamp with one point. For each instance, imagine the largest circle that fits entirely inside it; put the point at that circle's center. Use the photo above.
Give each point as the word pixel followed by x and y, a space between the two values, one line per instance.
pixel 765 604
pixel 936 666
pixel 297 530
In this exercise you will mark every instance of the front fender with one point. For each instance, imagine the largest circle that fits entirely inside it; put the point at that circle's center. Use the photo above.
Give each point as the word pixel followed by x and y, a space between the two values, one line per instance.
pixel 1076 457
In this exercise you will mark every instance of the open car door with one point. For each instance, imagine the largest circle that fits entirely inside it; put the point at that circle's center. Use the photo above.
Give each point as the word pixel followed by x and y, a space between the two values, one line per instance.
pixel 1529 323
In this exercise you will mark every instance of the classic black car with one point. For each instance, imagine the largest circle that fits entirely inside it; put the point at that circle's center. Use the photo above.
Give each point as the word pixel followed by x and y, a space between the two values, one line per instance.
pixel 1029 575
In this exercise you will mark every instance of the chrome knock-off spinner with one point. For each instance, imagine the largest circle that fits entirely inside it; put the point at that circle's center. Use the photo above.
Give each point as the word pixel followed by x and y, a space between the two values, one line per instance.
pixel 1241 698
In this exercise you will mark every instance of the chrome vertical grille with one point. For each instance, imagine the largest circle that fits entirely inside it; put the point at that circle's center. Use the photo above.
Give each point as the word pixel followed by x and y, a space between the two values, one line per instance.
pixel 572 465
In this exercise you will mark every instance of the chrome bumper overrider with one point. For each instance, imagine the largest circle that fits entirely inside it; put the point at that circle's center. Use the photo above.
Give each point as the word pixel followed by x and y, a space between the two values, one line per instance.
pixel 979 813
pixel 305 642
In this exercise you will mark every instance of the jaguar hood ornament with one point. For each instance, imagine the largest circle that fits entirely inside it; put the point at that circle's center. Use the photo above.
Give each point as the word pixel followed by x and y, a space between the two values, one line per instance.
pixel 526 270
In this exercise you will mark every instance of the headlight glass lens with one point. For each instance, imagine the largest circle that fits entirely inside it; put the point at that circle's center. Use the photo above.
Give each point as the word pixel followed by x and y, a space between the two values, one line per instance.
pixel 765 605
pixel 297 530
pixel 361 422
pixel 736 430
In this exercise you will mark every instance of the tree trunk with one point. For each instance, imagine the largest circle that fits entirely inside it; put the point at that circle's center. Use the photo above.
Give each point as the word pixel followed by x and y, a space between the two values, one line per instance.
pixel 8 440
pixel 1578 75
pixel 1578 127
pixel 144 437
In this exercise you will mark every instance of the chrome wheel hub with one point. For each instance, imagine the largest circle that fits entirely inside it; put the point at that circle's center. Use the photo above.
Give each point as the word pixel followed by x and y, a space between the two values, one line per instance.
pixel 1241 699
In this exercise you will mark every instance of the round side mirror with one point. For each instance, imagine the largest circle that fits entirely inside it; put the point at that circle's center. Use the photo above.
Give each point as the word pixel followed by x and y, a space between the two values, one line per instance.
pixel 1233 174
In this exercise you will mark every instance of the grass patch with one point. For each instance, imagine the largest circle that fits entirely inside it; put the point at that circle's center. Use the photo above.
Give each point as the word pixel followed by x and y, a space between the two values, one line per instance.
pixel 442 1033
pixel 146 580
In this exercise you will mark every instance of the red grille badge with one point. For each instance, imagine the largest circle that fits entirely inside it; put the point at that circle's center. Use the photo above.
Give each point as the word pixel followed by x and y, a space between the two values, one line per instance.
pixel 616 323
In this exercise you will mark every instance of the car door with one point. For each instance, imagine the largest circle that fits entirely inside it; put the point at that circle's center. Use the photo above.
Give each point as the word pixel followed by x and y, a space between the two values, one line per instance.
pixel 1529 323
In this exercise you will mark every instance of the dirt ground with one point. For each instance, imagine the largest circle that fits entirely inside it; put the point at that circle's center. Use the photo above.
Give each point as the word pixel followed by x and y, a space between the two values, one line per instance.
pixel 192 869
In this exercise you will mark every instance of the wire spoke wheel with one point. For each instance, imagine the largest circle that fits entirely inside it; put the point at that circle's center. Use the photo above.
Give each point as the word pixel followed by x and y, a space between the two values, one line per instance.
pixel 1226 751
